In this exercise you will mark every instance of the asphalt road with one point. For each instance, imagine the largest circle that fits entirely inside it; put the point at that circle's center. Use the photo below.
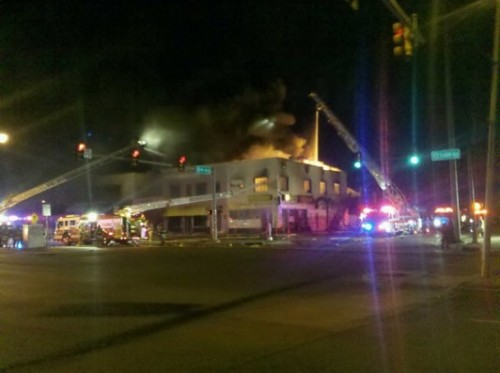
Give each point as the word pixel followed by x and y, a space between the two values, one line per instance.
pixel 315 305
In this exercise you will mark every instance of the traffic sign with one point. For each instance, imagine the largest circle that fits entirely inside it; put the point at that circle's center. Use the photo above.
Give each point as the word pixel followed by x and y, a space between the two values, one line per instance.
pixel 204 170
pixel 445 154
pixel 46 210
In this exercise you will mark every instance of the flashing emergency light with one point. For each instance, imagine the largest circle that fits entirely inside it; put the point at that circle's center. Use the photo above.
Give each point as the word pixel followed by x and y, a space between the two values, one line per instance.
pixel 92 216
pixel 367 226
pixel 443 210
pixel 388 209
pixel 439 221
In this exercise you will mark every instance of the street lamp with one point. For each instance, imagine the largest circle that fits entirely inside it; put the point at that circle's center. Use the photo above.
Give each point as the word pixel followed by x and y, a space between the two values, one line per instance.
pixel 4 138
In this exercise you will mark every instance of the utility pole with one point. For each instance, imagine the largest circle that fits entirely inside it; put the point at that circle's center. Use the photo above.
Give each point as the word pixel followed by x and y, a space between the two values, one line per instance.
pixel 472 194
pixel 451 143
pixel 490 161
pixel 414 96
pixel 214 206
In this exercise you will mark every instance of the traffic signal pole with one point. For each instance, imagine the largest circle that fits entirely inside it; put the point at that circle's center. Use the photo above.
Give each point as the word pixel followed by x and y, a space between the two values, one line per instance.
pixel 214 206
pixel 414 98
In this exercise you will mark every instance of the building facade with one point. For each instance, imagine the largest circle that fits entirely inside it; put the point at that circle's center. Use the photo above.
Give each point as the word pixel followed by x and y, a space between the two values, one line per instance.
pixel 282 195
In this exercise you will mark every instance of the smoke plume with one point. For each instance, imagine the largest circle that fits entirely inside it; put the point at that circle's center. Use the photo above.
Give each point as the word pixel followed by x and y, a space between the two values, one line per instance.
pixel 250 125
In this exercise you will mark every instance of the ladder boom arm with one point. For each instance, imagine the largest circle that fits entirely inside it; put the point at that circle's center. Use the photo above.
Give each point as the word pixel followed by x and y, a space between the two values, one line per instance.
pixel 148 206
pixel 18 198
pixel 382 180
pixel 138 208
pixel 390 190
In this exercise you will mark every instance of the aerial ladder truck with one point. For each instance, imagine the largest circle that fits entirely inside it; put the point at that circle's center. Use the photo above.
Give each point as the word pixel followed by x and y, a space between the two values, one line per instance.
pixel 403 218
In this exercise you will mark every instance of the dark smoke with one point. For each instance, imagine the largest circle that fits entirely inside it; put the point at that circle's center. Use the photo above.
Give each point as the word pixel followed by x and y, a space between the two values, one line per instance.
pixel 251 124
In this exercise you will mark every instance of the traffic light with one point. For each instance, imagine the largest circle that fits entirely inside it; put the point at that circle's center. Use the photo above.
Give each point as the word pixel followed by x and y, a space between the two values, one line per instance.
pixel 402 38
pixel 80 150
pixel 414 160
pixel 181 163
pixel 135 154
pixel 398 35
pixel 357 162
pixel 408 42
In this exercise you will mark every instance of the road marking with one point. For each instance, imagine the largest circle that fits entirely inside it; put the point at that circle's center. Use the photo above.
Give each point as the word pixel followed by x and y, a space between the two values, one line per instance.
pixel 486 321
pixel 78 248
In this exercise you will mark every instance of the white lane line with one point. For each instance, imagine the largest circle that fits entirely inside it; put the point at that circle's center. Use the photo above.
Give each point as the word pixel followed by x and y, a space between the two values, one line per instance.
pixel 486 321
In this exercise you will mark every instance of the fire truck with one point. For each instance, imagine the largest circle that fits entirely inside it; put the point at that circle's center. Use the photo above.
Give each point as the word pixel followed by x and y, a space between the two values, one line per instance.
pixel 101 229
pixel 385 220
pixel 395 215
pixel 123 226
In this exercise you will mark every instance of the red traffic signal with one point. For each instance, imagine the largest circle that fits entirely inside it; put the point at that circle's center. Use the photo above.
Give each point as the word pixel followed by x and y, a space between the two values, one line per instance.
pixel 135 154
pixel 398 34
pixel 80 150
pixel 81 147
pixel 181 164
pixel 402 38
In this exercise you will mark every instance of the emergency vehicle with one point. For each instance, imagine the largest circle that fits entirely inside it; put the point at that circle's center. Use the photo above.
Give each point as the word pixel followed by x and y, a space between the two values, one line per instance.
pixel 92 228
pixel 67 229
pixel 385 220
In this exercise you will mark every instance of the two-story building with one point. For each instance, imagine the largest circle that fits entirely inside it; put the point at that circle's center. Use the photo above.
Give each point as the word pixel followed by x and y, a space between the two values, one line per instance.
pixel 282 194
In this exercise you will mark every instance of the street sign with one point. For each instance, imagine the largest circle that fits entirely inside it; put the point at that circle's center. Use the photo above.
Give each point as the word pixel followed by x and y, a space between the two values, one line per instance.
pixel 204 170
pixel 46 211
pixel 445 154
pixel 87 154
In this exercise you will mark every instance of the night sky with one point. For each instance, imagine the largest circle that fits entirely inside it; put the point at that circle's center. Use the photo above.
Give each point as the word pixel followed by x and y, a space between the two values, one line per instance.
pixel 197 78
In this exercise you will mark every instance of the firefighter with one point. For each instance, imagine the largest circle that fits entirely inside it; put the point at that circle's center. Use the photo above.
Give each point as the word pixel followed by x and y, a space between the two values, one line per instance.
pixel 163 235
pixel 99 236
pixel 480 226
pixel 446 235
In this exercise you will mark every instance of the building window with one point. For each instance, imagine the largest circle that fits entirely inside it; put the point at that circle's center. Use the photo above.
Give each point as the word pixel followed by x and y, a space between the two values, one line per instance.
pixel 200 188
pixel 307 186
pixel 284 183
pixel 322 187
pixel 237 184
pixel 336 188
pixel 175 191
pixel 261 184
